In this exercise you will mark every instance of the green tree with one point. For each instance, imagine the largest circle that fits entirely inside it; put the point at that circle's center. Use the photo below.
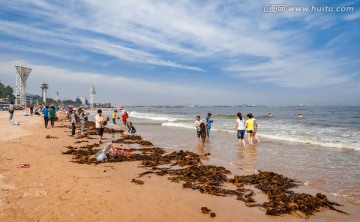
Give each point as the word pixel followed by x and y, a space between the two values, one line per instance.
pixel 6 91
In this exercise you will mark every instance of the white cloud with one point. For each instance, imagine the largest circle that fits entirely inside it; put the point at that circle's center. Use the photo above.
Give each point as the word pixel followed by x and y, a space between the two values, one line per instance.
pixel 296 71
pixel 227 35
pixel 352 16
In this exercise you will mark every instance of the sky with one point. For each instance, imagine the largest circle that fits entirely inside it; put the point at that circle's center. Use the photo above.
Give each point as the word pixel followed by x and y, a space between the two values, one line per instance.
pixel 162 52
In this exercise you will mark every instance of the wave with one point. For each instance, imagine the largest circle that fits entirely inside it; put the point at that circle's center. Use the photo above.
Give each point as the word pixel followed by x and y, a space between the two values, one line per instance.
pixel 224 116
pixel 309 141
pixel 157 117
pixel 181 125
pixel 277 137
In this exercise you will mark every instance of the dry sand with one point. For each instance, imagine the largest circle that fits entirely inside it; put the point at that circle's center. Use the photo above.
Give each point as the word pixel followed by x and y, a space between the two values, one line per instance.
pixel 55 189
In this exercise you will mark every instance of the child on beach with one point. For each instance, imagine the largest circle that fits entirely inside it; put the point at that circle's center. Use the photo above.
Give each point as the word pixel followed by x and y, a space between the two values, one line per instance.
pixel 203 131
pixel 124 118
pixel 131 128
pixel 113 118
pixel 197 125
pixel 99 121
pixel 249 128
pixel 240 127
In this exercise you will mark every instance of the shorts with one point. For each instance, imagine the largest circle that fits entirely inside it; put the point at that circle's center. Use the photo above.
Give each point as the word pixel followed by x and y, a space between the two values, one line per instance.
pixel 198 133
pixel 124 122
pixel 100 131
pixel 249 131
pixel 240 134
pixel 114 121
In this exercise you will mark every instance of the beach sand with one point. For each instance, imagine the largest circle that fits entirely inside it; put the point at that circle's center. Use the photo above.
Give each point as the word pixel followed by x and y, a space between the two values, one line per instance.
pixel 55 189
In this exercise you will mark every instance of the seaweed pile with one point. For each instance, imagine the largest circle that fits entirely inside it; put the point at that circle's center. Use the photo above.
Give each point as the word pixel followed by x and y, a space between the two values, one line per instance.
pixel 132 139
pixel 139 182
pixel 51 137
pixel 192 174
pixel 81 155
pixel 82 141
pixel 206 210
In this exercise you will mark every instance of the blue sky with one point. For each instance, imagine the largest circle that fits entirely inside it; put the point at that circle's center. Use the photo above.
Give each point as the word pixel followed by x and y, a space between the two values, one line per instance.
pixel 139 52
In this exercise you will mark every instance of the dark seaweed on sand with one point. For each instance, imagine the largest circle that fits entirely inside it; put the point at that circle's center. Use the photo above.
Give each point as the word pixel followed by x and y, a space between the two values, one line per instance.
pixel 213 179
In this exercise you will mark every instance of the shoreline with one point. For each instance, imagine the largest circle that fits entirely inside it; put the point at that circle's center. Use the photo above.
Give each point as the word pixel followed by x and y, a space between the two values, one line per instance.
pixel 57 186
pixel 263 156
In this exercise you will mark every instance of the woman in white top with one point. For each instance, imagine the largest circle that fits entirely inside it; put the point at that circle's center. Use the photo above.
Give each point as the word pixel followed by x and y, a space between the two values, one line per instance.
pixel 240 127
pixel 99 124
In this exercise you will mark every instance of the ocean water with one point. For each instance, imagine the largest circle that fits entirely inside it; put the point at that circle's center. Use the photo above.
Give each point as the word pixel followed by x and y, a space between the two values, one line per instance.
pixel 322 149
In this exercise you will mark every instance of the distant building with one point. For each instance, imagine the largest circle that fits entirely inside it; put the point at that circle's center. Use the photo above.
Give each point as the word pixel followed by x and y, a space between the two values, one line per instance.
pixel 82 100
pixel 29 98
pixel 92 97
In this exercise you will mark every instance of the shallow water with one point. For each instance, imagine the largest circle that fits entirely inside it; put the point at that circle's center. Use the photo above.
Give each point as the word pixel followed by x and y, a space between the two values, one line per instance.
pixel 320 150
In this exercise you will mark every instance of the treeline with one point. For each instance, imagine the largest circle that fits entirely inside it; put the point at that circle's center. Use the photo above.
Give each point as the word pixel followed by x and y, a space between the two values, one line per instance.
pixel 50 101
pixel 6 91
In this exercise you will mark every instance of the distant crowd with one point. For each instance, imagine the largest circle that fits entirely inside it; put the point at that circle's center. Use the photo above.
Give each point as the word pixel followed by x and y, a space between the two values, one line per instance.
pixel 75 116
pixel 78 115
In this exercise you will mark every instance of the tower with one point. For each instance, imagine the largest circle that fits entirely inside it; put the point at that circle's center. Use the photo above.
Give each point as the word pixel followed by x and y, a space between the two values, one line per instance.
pixel 57 96
pixel 44 87
pixel 21 77
pixel 92 97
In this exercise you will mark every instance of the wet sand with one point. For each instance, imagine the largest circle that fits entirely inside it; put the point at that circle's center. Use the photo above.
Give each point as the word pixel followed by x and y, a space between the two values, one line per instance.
pixel 55 189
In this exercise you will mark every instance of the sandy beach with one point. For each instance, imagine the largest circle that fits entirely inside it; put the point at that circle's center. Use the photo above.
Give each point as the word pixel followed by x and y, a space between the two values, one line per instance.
pixel 55 189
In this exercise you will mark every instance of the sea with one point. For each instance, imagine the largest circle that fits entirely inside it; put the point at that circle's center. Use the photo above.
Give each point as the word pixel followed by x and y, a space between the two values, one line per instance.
pixel 322 149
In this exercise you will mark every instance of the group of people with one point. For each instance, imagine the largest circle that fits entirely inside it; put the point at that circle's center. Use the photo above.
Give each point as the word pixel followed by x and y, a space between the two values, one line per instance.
pixel 76 115
pixel 124 118
pixel 101 122
pixel 49 114
pixel 203 129
pixel 249 126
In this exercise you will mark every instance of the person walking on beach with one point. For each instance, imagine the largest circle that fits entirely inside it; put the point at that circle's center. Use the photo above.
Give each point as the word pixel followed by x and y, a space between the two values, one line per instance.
pixel 255 128
pixel 31 110
pixel 197 125
pixel 73 120
pixel 209 121
pixel 249 128
pixel 99 124
pixel 124 118
pixel 11 110
pixel 45 112
pixel 240 128
pixel 52 115
pixel 83 120
pixel 113 118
